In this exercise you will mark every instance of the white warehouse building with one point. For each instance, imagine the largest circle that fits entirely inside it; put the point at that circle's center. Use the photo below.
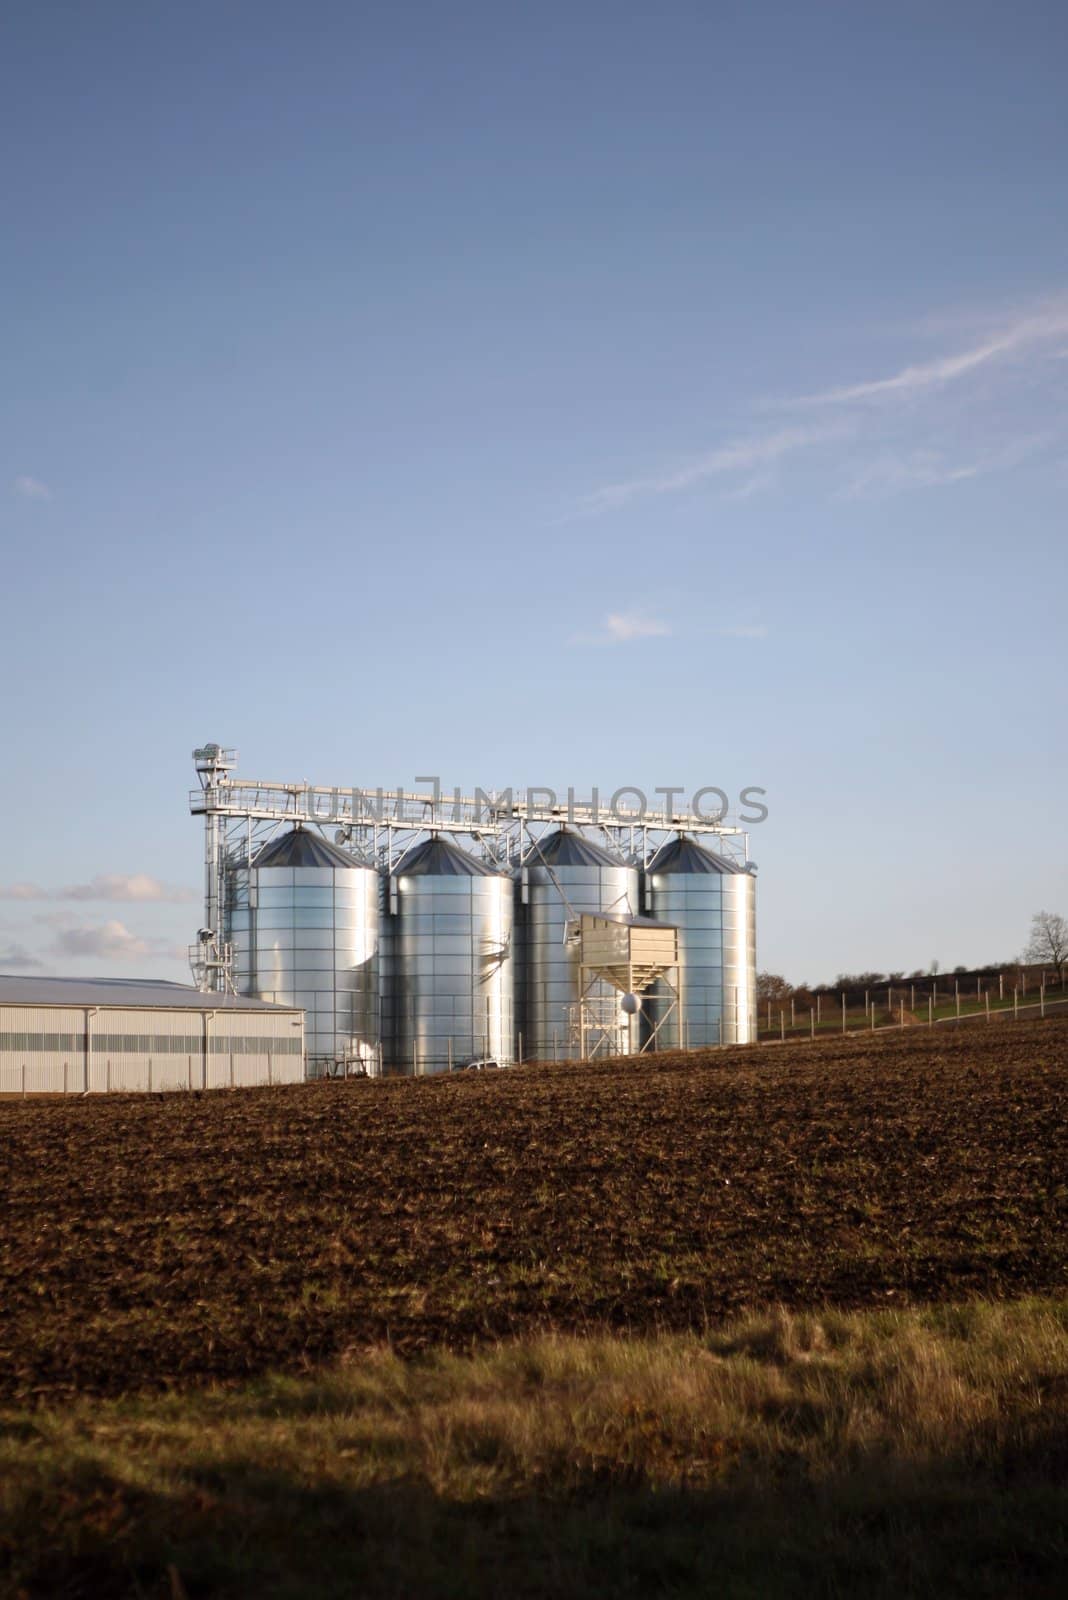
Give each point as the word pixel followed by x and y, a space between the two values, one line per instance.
pixel 80 1035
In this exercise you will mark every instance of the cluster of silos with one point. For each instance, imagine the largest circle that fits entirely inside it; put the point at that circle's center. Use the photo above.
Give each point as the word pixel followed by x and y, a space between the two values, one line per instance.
pixel 712 903
pixel 303 924
pixel 450 961
pixel 563 876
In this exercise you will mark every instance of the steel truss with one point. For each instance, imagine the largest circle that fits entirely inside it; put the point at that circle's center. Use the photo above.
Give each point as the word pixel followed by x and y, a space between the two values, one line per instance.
pixel 377 827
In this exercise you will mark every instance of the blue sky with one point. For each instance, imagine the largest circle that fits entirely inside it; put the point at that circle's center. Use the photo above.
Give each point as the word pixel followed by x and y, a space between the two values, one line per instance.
pixel 585 394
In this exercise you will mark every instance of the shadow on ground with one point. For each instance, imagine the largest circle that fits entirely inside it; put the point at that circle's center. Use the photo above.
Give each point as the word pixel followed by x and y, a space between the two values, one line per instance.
pixel 238 1530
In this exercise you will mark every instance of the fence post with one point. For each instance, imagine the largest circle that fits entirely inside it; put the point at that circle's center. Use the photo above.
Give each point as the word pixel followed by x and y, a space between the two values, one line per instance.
pixel 189 1061
pixel 24 1080
pixel 64 1077
pixel 1001 986
pixel 150 1074
pixel 958 1002
pixel 1015 1002
pixel 782 1023
pixel 930 1010
pixel 812 1021
pixel 988 1005
pixel 555 1056
pixel 231 1069
pixel 873 1019
pixel 902 1014
pixel 107 1079
pixel 843 1012
pixel 1042 998
pixel 520 1049
pixel 270 1067
pixel 866 1006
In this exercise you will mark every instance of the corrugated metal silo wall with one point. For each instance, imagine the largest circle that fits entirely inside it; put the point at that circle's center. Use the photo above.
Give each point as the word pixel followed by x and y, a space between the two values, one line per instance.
pixel 715 916
pixel 452 972
pixel 309 936
pixel 739 958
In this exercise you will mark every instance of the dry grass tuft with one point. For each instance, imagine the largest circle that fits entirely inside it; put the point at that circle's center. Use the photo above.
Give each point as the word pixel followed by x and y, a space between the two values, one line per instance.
pixel 905 1451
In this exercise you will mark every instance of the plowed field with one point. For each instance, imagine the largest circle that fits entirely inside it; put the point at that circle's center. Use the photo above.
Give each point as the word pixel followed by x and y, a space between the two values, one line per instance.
pixel 170 1240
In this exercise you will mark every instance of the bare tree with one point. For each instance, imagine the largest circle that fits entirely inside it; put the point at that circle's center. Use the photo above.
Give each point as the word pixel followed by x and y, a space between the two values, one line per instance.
pixel 770 986
pixel 1048 941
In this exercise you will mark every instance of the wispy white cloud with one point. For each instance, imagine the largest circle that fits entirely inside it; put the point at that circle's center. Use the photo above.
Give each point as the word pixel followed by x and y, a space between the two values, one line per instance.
pixel 751 486
pixel 16 958
pixel 737 455
pixel 32 489
pixel 920 425
pixel 923 468
pixel 110 941
pixel 623 627
pixel 914 470
pixel 108 886
pixel 1035 330
pixel 744 630
pixel 127 886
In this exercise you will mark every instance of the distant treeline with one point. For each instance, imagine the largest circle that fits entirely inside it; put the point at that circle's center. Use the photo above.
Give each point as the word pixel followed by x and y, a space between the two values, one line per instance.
pixel 857 987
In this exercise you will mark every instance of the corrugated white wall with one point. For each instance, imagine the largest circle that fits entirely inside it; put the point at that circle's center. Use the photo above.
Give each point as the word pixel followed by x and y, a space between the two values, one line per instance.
pixel 59 1065
pixel 43 1049
pixel 232 1061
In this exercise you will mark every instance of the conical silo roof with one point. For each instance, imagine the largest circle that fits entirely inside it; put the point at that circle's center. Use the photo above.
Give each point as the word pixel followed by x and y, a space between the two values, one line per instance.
pixel 440 858
pixel 564 849
pixel 299 848
pixel 684 856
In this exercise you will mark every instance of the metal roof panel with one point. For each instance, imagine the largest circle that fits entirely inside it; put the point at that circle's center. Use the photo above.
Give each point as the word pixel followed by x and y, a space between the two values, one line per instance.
pixel 16 989
pixel 299 848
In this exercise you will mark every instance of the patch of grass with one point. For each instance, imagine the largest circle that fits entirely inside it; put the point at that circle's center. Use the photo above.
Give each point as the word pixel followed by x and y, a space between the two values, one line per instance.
pixel 818 1453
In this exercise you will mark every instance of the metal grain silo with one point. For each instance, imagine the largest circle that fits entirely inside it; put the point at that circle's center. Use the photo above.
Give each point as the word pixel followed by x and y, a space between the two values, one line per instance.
pixel 451 959
pixel 711 901
pixel 563 876
pixel 304 924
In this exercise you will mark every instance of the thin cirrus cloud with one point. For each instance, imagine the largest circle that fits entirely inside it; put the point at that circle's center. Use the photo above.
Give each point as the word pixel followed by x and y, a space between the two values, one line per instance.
pixel 920 468
pixel 896 431
pixel 1034 332
pixel 108 886
pixel 32 488
pixel 737 455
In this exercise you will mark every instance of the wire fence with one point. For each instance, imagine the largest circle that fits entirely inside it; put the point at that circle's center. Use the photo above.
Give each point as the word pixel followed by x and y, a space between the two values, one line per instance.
pixel 899 1007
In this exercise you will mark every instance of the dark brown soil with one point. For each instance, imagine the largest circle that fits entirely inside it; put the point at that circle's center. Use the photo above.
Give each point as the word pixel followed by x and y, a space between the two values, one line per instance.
pixel 170 1240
